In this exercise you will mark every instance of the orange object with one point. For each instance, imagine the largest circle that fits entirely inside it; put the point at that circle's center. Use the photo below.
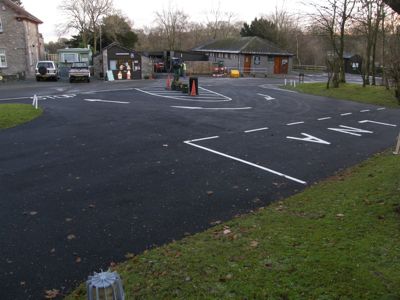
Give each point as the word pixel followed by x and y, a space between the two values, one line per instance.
pixel 168 87
pixel 193 91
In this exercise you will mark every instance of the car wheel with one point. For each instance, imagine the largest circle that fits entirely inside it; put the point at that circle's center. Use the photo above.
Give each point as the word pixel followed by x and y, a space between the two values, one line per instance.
pixel 71 80
pixel 88 80
pixel 37 78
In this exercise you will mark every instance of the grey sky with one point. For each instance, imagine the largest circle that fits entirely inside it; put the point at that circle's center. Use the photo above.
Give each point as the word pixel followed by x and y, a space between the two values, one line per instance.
pixel 142 12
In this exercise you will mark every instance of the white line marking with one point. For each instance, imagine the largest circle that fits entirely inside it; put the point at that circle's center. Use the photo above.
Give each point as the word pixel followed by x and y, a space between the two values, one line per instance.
pixel 346 114
pixel 296 123
pixel 107 101
pixel 350 130
pixel 266 97
pixel 212 108
pixel 203 139
pixel 379 123
pixel 218 97
pixel 110 90
pixel 323 119
pixel 272 87
pixel 382 108
pixel 365 110
pixel 246 162
pixel 254 130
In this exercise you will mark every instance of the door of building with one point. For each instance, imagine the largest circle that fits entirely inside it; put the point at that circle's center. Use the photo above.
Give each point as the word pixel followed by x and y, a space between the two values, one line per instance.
pixel 281 65
pixel 247 64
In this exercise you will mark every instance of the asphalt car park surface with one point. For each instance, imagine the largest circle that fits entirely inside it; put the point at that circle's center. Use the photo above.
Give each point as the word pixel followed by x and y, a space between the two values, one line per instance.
pixel 111 169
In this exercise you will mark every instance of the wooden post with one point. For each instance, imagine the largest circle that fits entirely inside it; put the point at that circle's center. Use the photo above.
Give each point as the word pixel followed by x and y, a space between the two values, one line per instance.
pixel 397 151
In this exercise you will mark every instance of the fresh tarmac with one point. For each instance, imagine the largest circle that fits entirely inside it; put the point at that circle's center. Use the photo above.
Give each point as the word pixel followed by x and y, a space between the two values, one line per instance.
pixel 117 168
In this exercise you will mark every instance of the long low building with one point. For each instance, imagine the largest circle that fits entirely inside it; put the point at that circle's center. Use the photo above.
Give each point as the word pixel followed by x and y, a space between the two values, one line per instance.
pixel 251 55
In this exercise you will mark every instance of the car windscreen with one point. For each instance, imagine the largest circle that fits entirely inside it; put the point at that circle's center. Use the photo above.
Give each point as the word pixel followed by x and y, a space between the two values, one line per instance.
pixel 79 65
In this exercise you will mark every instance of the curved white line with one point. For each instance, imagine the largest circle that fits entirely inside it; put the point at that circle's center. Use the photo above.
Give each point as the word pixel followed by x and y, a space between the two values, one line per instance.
pixel 212 108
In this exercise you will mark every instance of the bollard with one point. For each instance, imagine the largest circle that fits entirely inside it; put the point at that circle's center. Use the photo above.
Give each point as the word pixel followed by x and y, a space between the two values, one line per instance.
pixel 105 286
pixel 285 81
pixel 35 102
pixel 397 150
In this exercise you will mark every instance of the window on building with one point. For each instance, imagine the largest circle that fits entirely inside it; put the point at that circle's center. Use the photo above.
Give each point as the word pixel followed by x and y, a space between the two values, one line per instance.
pixel 69 57
pixel 3 59
pixel 1 26
pixel 271 58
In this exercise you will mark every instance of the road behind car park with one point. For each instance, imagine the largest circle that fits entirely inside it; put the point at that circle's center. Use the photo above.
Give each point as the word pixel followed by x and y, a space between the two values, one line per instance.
pixel 116 168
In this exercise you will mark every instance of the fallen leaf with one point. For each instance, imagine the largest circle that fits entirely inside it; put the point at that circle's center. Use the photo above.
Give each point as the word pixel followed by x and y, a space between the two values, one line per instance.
pixel 227 231
pixel 340 215
pixel 129 255
pixel 92 205
pixel 216 222
pixel 71 237
pixel 209 193
pixel 53 250
pixel 51 294
pixel 78 260
pixel 22 283
pixel 113 264
pixel 68 220
pixel 33 213
pixel 254 244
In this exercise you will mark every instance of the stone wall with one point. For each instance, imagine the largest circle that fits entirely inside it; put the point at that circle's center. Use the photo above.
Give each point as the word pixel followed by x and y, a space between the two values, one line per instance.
pixel 21 42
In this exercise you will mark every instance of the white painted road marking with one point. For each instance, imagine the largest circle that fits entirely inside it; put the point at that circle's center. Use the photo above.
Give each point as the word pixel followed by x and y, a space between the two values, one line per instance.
pixel 309 138
pixel 254 130
pixel 346 114
pixel 350 130
pixel 365 110
pixel 246 162
pixel 323 119
pixel 266 97
pixel 296 123
pixel 209 96
pixel 212 108
pixel 203 139
pixel 107 101
pixel 379 123
pixel 382 108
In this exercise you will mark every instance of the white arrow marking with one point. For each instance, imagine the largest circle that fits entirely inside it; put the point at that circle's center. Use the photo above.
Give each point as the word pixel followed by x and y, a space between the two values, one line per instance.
pixel 379 123
pixel 309 138
pixel 267 97
pixel 107 101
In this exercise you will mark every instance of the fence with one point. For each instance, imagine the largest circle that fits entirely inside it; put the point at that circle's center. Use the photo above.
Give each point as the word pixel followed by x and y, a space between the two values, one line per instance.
pixel 309 68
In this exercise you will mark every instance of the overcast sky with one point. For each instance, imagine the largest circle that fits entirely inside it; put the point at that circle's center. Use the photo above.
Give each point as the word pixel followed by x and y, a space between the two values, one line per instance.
pixel 142 13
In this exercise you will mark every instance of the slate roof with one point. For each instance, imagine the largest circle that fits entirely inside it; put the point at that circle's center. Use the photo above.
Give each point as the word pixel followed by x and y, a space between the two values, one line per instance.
pixel 21 12
pixel 243 45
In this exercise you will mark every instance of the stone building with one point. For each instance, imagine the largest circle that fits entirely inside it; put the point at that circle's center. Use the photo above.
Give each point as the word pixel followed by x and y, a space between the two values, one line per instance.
pixel 21 44
pixel 250 55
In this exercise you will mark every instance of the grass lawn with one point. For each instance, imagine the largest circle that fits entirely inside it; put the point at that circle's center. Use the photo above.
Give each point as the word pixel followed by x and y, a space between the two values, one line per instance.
pixel 14 114
pixel 339 239
pixel 377 95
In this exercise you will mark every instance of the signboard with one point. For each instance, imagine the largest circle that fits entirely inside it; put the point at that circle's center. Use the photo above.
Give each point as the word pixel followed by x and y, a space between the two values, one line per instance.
pixel 257 60
pixel 110 75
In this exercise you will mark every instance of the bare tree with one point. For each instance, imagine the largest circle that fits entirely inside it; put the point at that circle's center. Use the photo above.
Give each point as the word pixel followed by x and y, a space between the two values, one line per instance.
pixel 369 16
pixel 220 24
pixel 76 18
pixel 84 17
pixel 393 45
pixel 333 17
pixel 172 22
pixel 97 9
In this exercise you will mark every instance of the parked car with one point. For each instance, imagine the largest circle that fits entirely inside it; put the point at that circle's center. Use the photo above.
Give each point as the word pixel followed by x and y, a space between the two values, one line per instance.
pixel 46 69
pixel 79 71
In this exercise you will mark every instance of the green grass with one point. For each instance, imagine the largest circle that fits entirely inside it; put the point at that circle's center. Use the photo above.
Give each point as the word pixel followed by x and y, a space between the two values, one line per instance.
pixel 15 114
pixel 339 239
pixel 377 95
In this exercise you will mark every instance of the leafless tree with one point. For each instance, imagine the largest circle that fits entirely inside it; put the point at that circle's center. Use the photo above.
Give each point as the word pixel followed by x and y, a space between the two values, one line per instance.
pixel 84 16
pixel 76 18
pixel 370 14
pixel 97 9
pixel 172 22
pixel 393 51
pixel 220 24
pixel 333 17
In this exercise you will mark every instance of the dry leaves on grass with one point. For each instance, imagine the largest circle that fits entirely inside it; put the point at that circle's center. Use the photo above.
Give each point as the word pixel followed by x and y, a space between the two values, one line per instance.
pixel 51 294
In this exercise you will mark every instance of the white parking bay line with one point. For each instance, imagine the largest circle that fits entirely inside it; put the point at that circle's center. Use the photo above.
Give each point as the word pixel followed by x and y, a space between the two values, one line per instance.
pixel 245 162
pixel 365 110
pixel 254 130
pixel 295 123
pixel 323 119
pixel 107 101
pixel 346 114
